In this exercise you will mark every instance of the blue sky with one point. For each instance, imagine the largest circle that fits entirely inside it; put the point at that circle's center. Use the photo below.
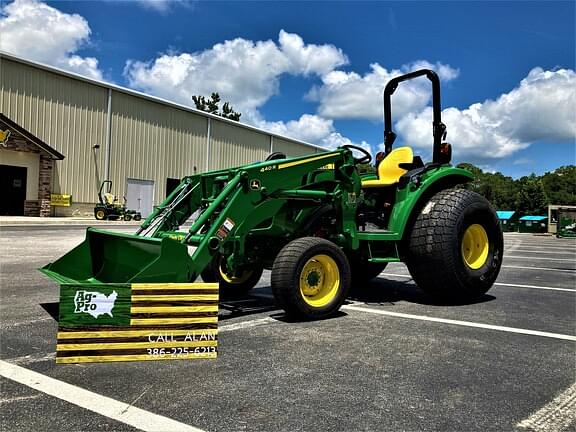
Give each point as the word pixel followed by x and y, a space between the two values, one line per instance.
pixel 315 70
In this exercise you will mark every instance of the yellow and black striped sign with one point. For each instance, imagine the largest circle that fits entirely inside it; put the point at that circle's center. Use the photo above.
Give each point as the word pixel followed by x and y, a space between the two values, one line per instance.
pixel 130 322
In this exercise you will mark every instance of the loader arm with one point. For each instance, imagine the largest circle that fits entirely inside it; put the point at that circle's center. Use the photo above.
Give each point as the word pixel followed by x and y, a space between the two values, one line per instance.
pixel 236 211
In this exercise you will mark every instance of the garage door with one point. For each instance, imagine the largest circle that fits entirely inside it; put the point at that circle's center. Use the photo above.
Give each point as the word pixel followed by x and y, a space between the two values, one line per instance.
pixel 140 196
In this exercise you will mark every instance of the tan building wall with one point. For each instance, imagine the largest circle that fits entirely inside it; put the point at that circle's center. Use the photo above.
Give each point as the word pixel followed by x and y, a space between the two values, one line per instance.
pixel 291 148
pixel 68 114
pixel 148 138
pixel 231 146
pixel 152 141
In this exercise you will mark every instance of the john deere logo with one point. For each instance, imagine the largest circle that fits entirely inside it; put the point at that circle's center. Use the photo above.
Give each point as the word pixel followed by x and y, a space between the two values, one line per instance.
pixel 94 303
pixel 4 135
pixel 255 184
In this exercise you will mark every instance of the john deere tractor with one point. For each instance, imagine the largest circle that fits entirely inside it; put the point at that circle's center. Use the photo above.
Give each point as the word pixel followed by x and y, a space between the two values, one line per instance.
pixel 317 224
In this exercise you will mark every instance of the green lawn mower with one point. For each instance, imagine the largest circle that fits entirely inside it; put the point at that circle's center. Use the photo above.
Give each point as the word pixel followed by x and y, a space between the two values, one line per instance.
pixel 109 208
pixel 318 225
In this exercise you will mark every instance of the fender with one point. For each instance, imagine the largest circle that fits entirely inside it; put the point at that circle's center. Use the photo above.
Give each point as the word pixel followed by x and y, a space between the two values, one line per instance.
pixel 416 192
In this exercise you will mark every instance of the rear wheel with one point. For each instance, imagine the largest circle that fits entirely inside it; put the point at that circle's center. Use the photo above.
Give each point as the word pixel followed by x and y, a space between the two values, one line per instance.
pixel 231 285
pixel 456 246
pixel 127 217
pixel 310 278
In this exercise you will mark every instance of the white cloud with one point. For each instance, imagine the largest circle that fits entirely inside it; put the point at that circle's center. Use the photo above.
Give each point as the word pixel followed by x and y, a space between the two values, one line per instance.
pixel 335 139
pixel 541 108
pixel 244 72
pixel 306 59
pixel 349 95
pixel 310 128
pixel 36 31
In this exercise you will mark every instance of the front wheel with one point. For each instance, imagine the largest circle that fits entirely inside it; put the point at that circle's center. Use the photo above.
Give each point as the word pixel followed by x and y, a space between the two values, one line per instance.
pixel 231 285
pixel 455 248
pixel 100 214
pixel 310 278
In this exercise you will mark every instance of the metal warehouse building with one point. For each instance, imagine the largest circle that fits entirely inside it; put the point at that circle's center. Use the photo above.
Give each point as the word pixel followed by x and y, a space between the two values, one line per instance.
pixel 62 134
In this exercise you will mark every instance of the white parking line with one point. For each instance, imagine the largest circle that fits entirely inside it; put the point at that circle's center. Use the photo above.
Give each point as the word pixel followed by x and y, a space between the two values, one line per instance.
pixel 556 416
pixel 18 398
pixel 540 268
pixel 461 323
pixel 535 287
pixel 538 251
pixel 565 246
pixel 539 246
pixel 495 283
pixel 108 407
pixel 245 324
pixel 539 258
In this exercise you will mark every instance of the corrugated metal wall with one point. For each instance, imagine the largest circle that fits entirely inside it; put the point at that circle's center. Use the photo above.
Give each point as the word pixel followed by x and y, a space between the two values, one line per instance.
pixel 291 148
pixel 152 141
pixel 68 114
pixel 232 146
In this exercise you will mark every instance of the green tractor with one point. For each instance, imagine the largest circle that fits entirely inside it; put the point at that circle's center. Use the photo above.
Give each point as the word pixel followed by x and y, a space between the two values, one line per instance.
pixel 109 208
pixel 318 225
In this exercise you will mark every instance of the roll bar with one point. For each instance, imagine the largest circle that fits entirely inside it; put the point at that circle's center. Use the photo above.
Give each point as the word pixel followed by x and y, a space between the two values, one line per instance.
pixel 438 128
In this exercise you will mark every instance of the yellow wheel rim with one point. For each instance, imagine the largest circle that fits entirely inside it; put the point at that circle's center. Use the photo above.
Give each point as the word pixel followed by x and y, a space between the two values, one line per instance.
pixel 99 214
pixel 475 246
pixel 319 280
pixel 233 279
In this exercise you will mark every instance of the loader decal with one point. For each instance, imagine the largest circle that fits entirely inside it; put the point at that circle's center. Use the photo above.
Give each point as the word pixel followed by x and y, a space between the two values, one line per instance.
pixel 131 322
pixel 300 162
pixel 225 229
pixel 94 303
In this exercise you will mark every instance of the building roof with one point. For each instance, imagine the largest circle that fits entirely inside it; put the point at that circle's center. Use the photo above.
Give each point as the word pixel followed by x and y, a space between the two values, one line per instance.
pixel 156 99
pixel 505 214
pixel 533 218
pixel 32 138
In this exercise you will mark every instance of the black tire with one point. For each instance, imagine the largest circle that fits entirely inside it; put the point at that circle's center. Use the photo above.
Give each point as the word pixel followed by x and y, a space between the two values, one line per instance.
pixel 127 217
pixel 364 271
pixel 288 274
pixel 100 214
pixel 137 217
pixel 229 288
pixel 437 249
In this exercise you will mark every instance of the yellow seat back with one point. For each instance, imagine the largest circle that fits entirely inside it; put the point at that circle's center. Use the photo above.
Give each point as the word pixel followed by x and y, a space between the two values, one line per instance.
pixel 389 172
pixel 109 198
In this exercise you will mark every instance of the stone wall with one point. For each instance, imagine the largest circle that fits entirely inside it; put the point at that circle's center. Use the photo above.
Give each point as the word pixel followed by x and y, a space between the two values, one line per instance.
pixel 45 184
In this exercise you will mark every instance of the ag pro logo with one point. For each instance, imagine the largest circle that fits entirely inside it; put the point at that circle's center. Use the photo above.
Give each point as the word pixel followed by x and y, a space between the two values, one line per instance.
pixel 94 303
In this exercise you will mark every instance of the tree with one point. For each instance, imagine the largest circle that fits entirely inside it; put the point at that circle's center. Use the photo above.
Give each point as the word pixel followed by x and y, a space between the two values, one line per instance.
pixel 527 195
pixel 530 197
pixel 560 185
pixel 211 105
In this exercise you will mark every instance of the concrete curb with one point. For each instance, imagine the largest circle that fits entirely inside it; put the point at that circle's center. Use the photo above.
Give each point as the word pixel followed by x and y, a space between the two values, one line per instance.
pixel 10 221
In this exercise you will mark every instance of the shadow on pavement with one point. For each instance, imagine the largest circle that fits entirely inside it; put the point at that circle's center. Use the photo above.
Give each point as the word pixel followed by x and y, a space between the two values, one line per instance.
pixel 53 309
pixel 387 291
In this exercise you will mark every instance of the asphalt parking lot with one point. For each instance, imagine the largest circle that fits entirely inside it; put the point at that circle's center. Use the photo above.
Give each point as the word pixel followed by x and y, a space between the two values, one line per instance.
pixel 393 360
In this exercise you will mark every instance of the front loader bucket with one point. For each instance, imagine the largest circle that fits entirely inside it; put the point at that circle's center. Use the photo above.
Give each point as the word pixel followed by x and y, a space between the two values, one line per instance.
pixel 106 257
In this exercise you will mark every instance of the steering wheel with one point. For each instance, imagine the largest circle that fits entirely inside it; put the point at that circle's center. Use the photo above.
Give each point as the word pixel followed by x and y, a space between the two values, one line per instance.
pixel 367 158
pixel 275 156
